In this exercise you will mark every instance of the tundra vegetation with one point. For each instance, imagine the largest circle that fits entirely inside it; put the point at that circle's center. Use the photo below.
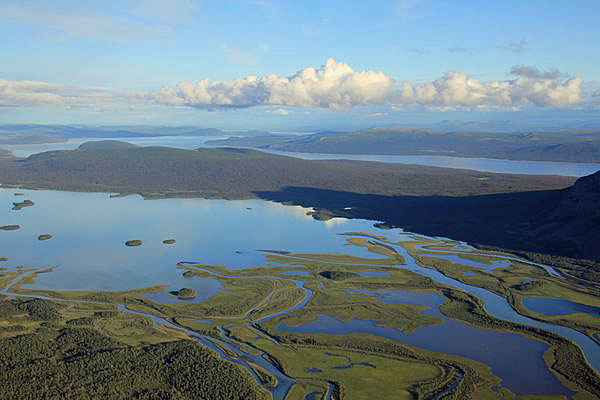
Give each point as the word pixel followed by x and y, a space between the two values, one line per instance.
pixel 254 302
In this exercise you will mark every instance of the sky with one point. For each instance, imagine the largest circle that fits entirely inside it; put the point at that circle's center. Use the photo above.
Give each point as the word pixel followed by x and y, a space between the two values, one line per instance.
pixel 293 65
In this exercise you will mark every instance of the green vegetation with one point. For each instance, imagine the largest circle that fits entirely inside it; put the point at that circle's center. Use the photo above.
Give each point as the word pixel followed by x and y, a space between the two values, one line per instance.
pixel 253 302
pixel 133 243
pixel 9 227
pixel 338 275
pixel 184 293
pixel 46 356
pixel 169 241
pixel 23 204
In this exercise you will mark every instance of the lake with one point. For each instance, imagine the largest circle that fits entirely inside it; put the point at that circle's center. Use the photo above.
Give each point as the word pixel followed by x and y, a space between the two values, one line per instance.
pixel 89 231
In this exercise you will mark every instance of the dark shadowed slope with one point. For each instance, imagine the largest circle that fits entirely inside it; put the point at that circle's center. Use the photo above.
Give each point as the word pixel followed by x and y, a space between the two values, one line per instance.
pixel 559 222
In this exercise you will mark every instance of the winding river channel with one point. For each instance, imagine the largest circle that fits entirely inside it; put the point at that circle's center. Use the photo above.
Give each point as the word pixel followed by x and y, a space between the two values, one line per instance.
pixel 87 252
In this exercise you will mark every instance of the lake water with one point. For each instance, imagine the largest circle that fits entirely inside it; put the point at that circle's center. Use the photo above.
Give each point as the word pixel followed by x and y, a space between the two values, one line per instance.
pixel 470 263
pixel 518 360
pixel 554 307
pixel 477 164
pixel 89 231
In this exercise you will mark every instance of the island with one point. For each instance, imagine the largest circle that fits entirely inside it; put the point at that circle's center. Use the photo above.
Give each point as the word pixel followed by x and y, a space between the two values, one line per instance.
pixel 184 293
pixel 23 204
pixel 45 237
pixel 133 243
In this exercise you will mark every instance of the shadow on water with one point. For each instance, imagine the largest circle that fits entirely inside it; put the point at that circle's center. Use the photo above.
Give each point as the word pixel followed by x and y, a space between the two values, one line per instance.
pixel 507 216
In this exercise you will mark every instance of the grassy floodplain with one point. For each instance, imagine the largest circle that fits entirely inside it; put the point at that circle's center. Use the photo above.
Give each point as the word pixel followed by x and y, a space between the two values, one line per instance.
pixel 254 301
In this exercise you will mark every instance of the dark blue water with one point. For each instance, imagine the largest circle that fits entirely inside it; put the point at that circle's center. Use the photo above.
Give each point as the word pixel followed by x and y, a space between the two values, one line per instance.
pixel 554 307
pixel 514 358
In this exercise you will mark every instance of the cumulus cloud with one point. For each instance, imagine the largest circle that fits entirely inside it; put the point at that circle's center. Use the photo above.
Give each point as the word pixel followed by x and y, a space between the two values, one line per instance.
pixel 457 89
pixel 333 85
pixel 35 93
pixel 336 85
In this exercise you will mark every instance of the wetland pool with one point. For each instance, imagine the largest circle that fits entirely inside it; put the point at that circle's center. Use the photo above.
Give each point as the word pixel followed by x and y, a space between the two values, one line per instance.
pixel 556 307
pixel 516 359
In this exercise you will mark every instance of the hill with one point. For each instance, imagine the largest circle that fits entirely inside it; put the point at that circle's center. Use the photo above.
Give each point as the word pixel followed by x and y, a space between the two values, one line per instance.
pixel 239 173
pixel 573 146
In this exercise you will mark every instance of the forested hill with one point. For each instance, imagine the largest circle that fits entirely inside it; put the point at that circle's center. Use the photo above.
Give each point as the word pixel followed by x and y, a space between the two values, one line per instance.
pixel 235 173
pixel 575 146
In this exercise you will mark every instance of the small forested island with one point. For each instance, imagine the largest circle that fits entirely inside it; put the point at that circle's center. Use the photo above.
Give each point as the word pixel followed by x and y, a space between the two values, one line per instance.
pixel 184 293
pixel 10 227
pixel 338 275
pixel 22 204
pixel 133 243
pixel 45 236
pixel 169 241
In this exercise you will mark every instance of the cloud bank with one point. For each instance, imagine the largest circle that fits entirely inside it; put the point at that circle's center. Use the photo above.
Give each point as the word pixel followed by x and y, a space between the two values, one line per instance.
pixel 332 86
pixel 337 86
pixel 36 93
pixel 458 90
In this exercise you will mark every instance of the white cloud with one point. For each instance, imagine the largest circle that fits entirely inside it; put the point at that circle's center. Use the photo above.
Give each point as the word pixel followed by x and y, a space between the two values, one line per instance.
pixel 333 85
pixel 35 93
pixel 457 89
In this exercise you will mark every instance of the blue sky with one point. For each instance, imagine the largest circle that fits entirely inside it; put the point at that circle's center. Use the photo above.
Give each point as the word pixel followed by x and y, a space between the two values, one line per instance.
pixel 116 62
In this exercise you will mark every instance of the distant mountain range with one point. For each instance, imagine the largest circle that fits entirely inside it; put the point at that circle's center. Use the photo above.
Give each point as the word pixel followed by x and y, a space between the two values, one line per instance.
pixel 34 134
pixel 571 146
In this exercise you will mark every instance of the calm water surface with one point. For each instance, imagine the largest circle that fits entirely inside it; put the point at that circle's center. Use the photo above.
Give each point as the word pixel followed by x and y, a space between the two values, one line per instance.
pixel 517 360
pixel 554 307
pixel 89 231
